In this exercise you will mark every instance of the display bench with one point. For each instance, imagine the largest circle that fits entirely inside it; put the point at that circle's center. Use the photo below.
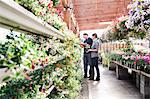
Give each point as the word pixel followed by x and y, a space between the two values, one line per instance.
pixel 14 16
pixel 145 85
pixel 141 79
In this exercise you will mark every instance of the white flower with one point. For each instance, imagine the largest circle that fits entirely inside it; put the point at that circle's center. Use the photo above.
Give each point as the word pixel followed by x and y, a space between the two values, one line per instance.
pixel 2 84
pixel 139 10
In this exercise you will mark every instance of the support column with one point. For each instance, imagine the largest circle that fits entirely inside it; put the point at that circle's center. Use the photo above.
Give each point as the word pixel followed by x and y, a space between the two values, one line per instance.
pixel 138 81
pixel 112 66
pixel 145 87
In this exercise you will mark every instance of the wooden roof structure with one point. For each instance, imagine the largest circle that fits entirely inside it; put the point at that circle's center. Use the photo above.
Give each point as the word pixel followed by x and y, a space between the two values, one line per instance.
pixel 97 14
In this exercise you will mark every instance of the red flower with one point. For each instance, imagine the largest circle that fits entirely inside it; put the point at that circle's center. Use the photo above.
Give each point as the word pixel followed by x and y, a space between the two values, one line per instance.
pixel 41 1
pixel 135 63
pixel 43 90
pixel 33 66
pixel 31 86
pixel 42 65
pixel 39 60
pixel 41 13
pixel 46 60
pixel 50 4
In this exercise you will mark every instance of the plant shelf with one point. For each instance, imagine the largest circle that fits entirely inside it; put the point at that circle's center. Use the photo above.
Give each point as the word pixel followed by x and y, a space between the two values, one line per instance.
pixel 14 15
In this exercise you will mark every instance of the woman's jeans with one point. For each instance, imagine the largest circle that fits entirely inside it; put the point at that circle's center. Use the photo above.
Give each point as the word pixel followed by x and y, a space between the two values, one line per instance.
pixel 94 64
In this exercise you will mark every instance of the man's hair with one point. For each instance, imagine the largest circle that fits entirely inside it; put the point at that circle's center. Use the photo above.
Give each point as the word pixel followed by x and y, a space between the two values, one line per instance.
pixel 85 34
pixel 94 35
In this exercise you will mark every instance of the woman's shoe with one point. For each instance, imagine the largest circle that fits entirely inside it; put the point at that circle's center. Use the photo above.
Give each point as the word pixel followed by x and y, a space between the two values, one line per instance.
pixel 91 78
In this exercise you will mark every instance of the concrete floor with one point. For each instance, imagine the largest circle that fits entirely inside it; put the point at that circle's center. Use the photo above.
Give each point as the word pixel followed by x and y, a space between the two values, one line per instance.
pixel 109 87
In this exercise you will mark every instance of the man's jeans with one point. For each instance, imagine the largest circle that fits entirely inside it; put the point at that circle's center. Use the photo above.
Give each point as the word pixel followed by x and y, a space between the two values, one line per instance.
pixel 87 61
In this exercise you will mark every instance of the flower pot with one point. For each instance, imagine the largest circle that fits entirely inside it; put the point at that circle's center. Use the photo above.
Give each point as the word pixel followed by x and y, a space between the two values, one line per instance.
pixel 142 68
pixel 135 66
pixel 147 70
pixel 130 65
pixel 4 72
pixel 138 68
pixel 127 64
pixel 123 62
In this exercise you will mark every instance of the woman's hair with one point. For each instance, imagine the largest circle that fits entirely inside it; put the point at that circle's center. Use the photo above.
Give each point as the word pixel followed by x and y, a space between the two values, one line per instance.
pixel 85 34
pixel 94 35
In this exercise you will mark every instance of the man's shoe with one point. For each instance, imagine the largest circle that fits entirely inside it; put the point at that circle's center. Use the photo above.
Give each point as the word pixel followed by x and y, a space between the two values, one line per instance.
pixel 97 79
pixel 85 76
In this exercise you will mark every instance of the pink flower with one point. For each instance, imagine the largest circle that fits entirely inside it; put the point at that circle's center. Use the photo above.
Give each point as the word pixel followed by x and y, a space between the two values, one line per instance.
pixel 120 53
pixel 132 57
pixel 137 58
pixel 127 57
pixel 146 59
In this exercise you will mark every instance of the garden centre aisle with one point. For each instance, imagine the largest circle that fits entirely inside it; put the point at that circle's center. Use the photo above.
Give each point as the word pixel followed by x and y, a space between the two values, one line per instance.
pixel 41 44
pixel 109 87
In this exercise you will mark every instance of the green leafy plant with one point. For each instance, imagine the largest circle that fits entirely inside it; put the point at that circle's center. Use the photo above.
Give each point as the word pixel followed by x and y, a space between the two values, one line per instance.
pixel 38 67
pixel 56 2
pixel 45 10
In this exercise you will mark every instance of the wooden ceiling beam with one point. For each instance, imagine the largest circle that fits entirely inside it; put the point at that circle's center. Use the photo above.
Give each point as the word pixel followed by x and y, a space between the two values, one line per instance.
pixel 99 16
pixel 93 26
pixel 90 12
pixel 89 2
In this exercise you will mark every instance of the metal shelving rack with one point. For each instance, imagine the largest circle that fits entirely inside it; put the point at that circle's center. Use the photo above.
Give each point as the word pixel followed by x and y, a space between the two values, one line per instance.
pixel 12 15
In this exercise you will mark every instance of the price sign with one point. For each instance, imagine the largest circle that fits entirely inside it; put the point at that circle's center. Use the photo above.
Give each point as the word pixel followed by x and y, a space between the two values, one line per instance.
pixel 130 71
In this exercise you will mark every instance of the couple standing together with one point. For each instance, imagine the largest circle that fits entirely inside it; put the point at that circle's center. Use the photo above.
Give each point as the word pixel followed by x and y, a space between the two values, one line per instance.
pixel 90 57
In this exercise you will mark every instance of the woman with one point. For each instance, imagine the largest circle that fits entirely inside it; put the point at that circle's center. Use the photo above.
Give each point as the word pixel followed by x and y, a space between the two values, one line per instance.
pixel 94 57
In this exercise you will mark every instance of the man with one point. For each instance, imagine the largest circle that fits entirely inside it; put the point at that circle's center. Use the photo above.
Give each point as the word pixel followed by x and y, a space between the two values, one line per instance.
pixel 87 56
pixel 94 57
